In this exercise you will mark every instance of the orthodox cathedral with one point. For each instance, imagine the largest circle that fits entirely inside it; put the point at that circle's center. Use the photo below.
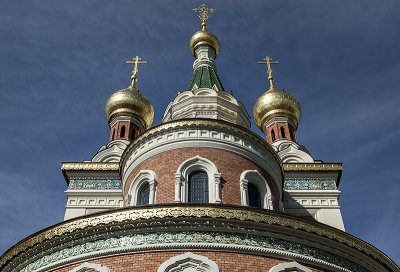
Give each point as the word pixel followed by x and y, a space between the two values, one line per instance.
pixel 200 191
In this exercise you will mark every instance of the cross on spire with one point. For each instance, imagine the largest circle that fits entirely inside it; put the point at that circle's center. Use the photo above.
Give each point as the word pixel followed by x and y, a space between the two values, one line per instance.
pixel 135 61
pixel 203 15
pixel 268 61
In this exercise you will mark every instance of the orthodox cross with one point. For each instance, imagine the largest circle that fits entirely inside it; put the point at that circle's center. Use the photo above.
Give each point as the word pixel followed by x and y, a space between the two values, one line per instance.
pixel 135 61
pixel 268 61
pixel 203 15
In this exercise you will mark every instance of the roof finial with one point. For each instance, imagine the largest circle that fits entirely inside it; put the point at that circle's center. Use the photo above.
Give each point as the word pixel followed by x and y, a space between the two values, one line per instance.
pixel 269 61
pixel 135 61
pixel 203 15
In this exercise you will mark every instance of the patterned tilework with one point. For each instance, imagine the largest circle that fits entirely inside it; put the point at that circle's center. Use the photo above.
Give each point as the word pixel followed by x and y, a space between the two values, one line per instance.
pixel 94 184
pixel 310 184
pixel 256 241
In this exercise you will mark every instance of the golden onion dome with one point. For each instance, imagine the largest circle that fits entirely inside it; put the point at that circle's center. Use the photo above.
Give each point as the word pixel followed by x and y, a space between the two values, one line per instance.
pixel 274 103
pixel 129 102
pixel 204 37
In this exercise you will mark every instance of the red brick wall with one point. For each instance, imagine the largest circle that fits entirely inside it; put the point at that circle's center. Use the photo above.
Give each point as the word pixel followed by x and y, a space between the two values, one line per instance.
pixel 229 165
pixel 278 135
pixel 129 129
pixel 150 262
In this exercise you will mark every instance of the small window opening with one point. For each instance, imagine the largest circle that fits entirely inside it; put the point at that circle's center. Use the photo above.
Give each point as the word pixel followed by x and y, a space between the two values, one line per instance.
pixel 254 196
pixel 291 134
pixel 144 195
pixel 273 134
pixel 122 134
pixel 198 187
pixel 133 132
pixel 113 135
pixel 283 132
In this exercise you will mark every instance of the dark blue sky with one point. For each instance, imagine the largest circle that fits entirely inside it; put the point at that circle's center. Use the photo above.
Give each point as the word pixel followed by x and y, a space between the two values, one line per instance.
pixel 61 60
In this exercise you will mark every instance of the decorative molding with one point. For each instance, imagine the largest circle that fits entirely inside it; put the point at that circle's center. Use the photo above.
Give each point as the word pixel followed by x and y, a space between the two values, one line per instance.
pixel 94 184
pixel 289 267
pixel 206 240
pixel 194 164
pixel 89 166
pixel 111 152
pixel 143 177
pixel 220 212
pixel 199 133
pixel 190 261
pixel 254 177
pixel 89 267
pixel 309 184
pixel 312 167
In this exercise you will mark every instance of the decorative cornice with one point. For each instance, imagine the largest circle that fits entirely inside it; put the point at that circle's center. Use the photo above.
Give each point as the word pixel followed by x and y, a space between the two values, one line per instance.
pixel 89 166
pixel 312 167
pixel 195 211
pixel 199 122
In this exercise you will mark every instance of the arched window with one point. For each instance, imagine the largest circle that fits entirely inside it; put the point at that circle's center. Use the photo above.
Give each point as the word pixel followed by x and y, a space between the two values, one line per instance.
pixel 254 196
pixel 283 132
pixel 144 195
pixel 189 262
pixel 143 189
pixel 133 133
pixel 122 134
pixel 255 191
pixel 198 187
pixel 197 180
pixel 286 267
pixel 273 134
pixel 113 136
pixel 90 267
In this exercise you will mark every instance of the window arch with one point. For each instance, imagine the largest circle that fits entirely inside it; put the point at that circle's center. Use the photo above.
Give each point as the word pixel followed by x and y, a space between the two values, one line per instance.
pixel 143 189
pixel 255 180
pixel 273 134
pixel 89 267
pixel 289 267
pixel 189 262
pixel 133 132
pixel 283 132
pixel 122 134
pixel 190 168
pixel 113 135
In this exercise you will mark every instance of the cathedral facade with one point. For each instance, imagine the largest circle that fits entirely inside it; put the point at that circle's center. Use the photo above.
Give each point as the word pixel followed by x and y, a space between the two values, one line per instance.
pixel 200 191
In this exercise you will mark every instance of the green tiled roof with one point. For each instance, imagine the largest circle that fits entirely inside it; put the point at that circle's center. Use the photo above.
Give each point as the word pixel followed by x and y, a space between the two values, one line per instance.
pixel 205 77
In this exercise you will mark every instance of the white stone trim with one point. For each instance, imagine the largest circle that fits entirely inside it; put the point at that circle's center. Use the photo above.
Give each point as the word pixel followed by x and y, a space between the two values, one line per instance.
pixel 291 152
pixel 144 176
pixel 212 138
pixel 89 267
pixel 190 261
pixel 290 267
pixel 277 120
pixel 127 118
pixel 255 178
pixel 195 164
pixel 111 152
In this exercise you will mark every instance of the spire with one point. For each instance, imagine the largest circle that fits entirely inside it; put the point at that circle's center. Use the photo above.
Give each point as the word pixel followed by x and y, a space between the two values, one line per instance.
pixel 204 46
pixel 268 61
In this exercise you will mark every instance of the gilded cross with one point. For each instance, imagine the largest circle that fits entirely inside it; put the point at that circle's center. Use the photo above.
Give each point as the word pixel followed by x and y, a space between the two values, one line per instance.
pixel 135 61
pixel 203 15
pixel 268 61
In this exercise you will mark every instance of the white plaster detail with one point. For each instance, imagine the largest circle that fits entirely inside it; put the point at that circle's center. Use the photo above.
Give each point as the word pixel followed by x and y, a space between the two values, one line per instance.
pixel 111 152
pixel 291 152
pixel 255 178
pixel 322 205
pixel 205 56
pixel 89 267
pixel 290 267
pixel 207 103
pixel 188 262
pixel 213 138
pixel 129 119
pixel 195 164
pixel 83 202
pixel 144 176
